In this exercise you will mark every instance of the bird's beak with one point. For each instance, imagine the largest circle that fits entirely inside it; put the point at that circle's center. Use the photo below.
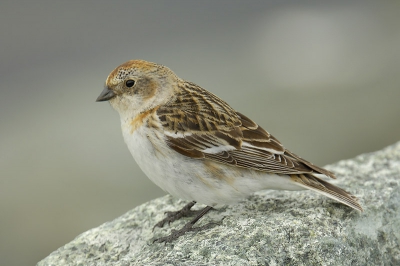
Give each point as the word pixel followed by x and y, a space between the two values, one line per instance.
pixel 105 95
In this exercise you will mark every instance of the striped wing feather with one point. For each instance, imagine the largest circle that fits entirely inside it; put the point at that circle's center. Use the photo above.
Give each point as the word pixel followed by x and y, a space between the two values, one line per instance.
pixel 200 125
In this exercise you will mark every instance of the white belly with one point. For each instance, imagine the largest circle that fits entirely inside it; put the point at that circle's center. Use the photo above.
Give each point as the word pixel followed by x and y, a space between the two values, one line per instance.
pixel 203 181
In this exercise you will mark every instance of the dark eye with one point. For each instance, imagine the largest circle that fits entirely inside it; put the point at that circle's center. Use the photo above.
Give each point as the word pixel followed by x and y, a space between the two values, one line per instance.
pixel 129 83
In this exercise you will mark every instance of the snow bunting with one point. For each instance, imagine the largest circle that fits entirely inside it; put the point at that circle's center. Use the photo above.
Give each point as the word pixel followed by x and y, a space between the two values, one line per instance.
pixel 194 146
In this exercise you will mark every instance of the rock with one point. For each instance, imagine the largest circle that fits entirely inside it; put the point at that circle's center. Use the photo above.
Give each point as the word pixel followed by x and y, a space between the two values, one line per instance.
pixel 270 228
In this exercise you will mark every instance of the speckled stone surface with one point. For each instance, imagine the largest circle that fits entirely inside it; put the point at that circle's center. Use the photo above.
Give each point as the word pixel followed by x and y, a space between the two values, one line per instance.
pixel 270 228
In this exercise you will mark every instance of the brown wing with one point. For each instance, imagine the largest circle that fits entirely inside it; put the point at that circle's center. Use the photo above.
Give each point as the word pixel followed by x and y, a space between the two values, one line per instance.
pixel 200 125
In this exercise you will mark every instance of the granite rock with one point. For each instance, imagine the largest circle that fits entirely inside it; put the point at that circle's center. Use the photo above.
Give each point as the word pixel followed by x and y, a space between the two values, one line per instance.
pixel 269 228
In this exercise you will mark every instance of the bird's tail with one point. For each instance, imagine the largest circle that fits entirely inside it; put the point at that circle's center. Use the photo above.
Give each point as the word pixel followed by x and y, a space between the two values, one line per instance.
pixel 323 187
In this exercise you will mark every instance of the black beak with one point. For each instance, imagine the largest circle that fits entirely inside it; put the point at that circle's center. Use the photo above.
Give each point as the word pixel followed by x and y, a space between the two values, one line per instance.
pixel 105 95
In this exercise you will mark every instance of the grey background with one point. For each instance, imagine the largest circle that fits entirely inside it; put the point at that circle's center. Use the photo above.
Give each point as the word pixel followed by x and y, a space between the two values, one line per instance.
pixel 324 78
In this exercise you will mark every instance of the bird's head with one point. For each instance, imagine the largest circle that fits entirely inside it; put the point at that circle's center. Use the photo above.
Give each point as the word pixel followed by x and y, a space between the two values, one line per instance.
pixel 137 86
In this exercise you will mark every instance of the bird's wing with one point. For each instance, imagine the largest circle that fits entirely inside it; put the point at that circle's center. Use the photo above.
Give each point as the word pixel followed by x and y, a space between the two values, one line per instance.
pixel 200 125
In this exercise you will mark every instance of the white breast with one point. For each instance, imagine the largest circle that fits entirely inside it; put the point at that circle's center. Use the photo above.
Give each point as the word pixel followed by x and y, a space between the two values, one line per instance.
pixel 169 170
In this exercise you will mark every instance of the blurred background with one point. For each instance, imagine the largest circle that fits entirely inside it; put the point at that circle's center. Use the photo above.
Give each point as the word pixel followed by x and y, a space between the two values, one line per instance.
pixel 324 78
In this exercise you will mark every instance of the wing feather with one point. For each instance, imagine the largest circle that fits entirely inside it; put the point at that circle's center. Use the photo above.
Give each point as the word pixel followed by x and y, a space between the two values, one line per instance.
pixel 200 125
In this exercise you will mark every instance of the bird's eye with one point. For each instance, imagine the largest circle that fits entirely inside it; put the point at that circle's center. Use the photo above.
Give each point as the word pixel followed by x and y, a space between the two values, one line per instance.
pixel 129 83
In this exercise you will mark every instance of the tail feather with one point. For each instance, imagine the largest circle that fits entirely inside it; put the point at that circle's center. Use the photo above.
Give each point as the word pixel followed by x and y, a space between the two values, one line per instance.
pixel 323 187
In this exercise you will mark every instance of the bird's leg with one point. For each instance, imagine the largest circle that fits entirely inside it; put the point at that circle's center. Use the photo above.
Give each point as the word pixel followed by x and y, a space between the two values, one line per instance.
pixel 187 228
pixel 173 216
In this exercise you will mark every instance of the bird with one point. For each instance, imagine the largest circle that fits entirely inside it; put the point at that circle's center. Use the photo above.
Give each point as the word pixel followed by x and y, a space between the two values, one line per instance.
pixel 196 147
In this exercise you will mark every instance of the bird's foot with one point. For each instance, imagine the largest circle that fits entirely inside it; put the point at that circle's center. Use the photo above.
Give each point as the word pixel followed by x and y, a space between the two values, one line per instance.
pixel 188 227
pixel 176 215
